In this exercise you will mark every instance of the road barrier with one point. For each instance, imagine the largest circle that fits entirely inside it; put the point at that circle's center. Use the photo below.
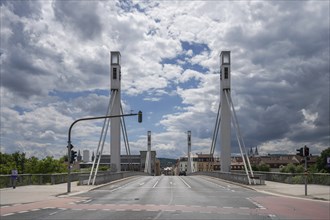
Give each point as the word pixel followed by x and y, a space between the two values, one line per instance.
pixel 37 179
pixel 57 178
pixel 107 177
pixel 234 177
pixel 297 178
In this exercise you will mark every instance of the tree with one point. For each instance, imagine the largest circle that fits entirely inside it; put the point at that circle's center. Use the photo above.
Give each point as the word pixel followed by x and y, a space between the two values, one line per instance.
pixel 291 168
pixel 32 165
pixel 322 161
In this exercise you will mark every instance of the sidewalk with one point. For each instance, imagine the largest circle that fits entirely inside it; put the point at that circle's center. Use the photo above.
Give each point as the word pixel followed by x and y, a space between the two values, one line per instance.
pixel 34 193
pixel 319 192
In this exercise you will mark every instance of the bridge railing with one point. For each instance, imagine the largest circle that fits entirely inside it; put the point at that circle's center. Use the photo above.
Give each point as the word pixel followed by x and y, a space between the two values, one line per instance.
pixel 37 179
pixel 234 177
pixel 296 178
pixel 57 178
pixel 107 177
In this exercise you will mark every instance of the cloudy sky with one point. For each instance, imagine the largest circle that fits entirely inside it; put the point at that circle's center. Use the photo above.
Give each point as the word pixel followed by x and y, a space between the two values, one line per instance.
pixel 55 69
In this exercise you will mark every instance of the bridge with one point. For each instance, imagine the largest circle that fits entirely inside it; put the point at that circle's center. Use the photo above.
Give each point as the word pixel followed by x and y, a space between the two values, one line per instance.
pixel 115 120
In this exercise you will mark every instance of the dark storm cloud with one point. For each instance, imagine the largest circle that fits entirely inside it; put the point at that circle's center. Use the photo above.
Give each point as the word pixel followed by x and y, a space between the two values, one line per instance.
pixel 79 15
pixel 291 74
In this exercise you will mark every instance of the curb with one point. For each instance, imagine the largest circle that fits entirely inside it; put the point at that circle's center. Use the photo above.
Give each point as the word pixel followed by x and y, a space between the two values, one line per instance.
pixel 63 195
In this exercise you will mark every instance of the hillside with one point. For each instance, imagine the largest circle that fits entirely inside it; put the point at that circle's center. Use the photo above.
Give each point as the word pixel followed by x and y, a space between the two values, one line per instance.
pixel 166 162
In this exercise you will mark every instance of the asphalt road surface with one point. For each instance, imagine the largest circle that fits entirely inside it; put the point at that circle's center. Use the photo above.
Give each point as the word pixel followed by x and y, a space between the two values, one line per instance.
pixel 171 197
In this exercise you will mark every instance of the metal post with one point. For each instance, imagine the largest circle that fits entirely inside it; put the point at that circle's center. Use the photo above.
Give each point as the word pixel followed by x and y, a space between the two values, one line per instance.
pixel 189 168
pixel 305 175
pixel 69 166
pixel 69 139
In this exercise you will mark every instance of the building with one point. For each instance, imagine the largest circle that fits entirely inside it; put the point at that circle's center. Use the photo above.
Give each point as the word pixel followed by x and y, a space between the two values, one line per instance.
pixel 200 162
pixel 128 163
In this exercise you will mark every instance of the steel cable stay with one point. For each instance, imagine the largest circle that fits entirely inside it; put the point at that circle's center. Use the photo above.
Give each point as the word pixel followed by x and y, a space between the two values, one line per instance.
pixel 240 134
pixel 242 140
pixel 215 133
pixel 102 139
pixel 247 168
pixel 125 137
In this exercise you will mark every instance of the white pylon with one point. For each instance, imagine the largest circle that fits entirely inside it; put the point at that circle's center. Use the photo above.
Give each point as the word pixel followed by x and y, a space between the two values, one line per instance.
pixel 115 79
pixel 225 114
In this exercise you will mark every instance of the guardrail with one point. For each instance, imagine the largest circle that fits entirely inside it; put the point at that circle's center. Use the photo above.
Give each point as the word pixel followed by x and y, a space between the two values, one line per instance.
pixel 234 177
pixel 107 177
pixel 51 179
pixel 37 179
pixel 297 178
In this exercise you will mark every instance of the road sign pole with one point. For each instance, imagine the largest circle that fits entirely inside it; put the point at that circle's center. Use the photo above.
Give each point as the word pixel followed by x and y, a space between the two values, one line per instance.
pixel 88 119
pixel 305 175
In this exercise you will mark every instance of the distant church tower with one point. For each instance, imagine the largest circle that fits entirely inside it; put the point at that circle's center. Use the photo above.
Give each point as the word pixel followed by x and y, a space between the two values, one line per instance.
pixel 256 153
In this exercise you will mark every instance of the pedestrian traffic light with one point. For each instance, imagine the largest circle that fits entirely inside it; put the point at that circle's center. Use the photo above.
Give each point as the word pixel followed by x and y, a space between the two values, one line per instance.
pixel 139 116
pixel 73 156
pixel 301 152
pixel 306 151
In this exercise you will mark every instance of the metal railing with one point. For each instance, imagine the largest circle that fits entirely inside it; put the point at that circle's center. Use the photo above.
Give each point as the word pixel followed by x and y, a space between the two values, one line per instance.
pixel 107 177
pixel 37 179
pixel 234 177
pixel 297 178
pixel 51 179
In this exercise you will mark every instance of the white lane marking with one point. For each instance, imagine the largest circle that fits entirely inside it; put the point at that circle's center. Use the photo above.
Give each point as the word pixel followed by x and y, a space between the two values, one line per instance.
pixel 155 184
pixel 32 210
pixel 53 213
pixel 227 207
pixel 256 204
pixel 141 184
pixel 48 208
pixel 8 214
pixel 185 182
pixel 23 212
pixel 272 216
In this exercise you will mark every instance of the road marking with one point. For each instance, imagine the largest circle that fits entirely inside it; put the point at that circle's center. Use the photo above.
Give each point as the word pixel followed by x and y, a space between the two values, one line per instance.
pixel 48 208
pixel 256 204
pixel 53 213
pixel 32 210
pixel 155 184
pixel 185 182
pixel 8 214
pixel 141 184
pixel 272 216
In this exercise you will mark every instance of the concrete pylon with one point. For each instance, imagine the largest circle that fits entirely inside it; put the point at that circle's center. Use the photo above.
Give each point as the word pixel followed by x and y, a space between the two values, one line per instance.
pixel 225 114
pixel 115 79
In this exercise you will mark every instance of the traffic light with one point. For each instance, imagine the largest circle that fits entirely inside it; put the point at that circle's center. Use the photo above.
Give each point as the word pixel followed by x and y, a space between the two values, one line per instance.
pixel 139 116
pixel 70 145
pixel 301 152
pixel 306 151
pixel 73 156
